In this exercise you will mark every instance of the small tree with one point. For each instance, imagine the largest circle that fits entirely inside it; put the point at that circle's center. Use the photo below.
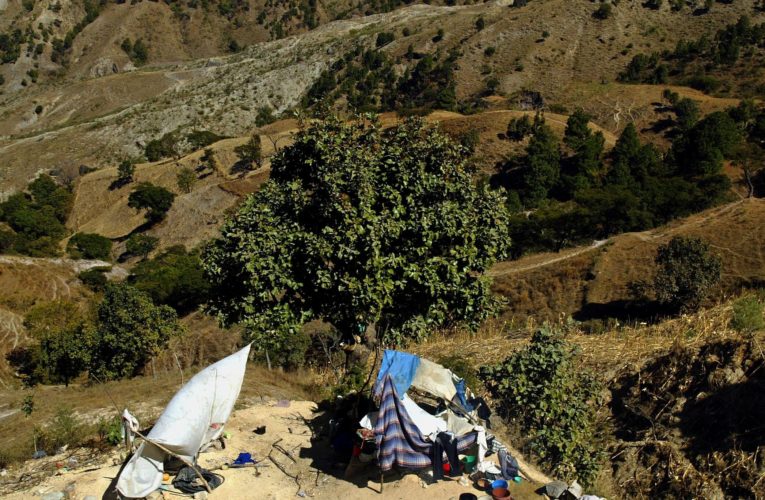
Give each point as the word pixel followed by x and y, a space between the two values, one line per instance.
pixel 603 11
pixel 129 331
pixel 542 165
pixel 155 200
pixel 61 332
pixel 687 273
pixel 186 179
pixel 251 151
pixel 141 244
pixel 125 172
pixel 358 226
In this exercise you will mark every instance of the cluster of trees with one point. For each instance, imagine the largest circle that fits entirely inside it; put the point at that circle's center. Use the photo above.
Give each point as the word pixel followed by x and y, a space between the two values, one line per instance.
pixel 577 192
pixel 34 220
pixel 171 145
pixel 692 60
pixel 62 48
pixel 113 339
pixel 369 82
pixel 10 46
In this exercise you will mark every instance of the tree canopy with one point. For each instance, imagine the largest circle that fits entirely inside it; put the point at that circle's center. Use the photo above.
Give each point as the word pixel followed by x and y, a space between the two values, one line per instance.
pixel 360 225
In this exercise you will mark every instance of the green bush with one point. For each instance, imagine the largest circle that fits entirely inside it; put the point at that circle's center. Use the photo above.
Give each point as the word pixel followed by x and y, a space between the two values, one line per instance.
pixel 687 273
pixel 155 199
pixel 141 245
pixel 545 390
pixel 747 315
pixel 603 11
pixel 462 368
pixel 94 279
pixel 164 147
pixel 384 38
pixel 175 278
pixel 65 429
pixel 90 246
pixel 110 430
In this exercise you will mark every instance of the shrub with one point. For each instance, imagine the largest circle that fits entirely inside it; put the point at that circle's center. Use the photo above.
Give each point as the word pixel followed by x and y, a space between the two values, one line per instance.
pixel 384 38
pixel 163 147
pixel 480 23
pixel 64 430
pixel 544 389
pixel 747 315
pixel 155 199
pixel 185 179
pixel 125 172
pixel 462 368
pixel 110 430
pixel 90 246
pixel 141 244
pixel 489 51
pixel 687 273
pixel 94 279
pixel 603 11
pixel 174 277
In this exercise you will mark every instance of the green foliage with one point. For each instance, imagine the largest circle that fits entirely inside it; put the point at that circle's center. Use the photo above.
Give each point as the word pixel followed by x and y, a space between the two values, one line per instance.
pixel 384 38
pixel 369 81
pixel 199 139
pixel 603 11
pixel 141 244
pixel 489 51
pixel 36 217
pixel 137 51
pixel 694 58
pixel 552 398
pixel 174 277
pixel 110 430
pixel 357 226
pixel 129 331
pixel 702 150
pixel 155 199
pixel 186 179
pixel 747 315
pixel 65 429
pixel 251 151
pixel 543 165
pixel 687 272
pixel 519 128
pixel 10 46
pixel 480 23
pixel 125 172
pixel 265 116
pixel 163 147
pixel 95 279
pixel 89 246
pixel 60 332
pixel 28 405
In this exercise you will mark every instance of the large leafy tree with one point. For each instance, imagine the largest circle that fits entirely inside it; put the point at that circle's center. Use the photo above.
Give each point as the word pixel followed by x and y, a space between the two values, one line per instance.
pixel 360 225
pixel 542 170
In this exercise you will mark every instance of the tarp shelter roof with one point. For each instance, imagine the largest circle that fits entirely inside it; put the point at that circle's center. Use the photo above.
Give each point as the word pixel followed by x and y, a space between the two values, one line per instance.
pixel 193 418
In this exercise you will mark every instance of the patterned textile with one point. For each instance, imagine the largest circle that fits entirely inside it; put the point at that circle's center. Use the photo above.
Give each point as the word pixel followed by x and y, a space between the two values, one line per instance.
pixel 398 439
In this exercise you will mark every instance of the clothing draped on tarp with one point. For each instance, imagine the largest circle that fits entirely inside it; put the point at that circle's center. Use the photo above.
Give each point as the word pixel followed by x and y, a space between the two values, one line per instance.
pixel 193 418
pixel 409 370
pixel 401 367
pixel 399 440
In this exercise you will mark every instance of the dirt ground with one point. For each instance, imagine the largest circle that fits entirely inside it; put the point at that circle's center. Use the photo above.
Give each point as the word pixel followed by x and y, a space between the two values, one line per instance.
pixel 298 426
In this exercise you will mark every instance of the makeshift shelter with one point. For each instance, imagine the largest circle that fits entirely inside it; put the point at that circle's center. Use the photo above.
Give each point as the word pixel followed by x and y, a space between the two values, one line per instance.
pixel 193 419
pixel 408 437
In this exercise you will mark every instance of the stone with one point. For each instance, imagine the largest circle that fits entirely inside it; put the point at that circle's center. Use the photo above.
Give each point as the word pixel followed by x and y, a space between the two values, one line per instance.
pixel 54 495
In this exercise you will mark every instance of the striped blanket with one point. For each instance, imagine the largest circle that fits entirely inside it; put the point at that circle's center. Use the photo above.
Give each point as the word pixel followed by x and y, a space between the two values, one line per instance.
pixel 399 442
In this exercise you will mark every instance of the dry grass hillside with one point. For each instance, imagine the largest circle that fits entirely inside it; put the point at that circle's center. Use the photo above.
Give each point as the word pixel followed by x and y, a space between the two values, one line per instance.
pixel 595 280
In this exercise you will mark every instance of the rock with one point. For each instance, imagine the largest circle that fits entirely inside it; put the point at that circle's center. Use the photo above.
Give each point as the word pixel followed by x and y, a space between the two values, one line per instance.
pixel 70 491
pixel 90 497
pixel 200 495
pixel 54 495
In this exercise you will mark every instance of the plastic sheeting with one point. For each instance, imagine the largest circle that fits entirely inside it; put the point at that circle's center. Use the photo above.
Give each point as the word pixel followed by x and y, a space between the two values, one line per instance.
pixel 194 417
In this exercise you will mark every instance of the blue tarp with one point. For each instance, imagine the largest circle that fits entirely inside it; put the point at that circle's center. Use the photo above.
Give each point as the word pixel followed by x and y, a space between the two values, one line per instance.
pixel 401 366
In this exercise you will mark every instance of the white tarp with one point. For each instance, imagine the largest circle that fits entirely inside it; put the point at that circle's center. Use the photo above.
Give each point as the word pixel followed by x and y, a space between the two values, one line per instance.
pixel 194 417
pixel 435 379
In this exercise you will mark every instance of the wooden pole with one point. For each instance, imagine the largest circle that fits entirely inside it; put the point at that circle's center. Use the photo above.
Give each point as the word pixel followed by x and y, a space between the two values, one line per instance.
pixel 193 467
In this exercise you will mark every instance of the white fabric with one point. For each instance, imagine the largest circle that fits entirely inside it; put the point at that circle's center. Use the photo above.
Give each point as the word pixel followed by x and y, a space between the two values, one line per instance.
pixel 194 417
pixel 428 425
pixel 483 447
pixel 434 379
pixel 129 426
pixel 369 421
